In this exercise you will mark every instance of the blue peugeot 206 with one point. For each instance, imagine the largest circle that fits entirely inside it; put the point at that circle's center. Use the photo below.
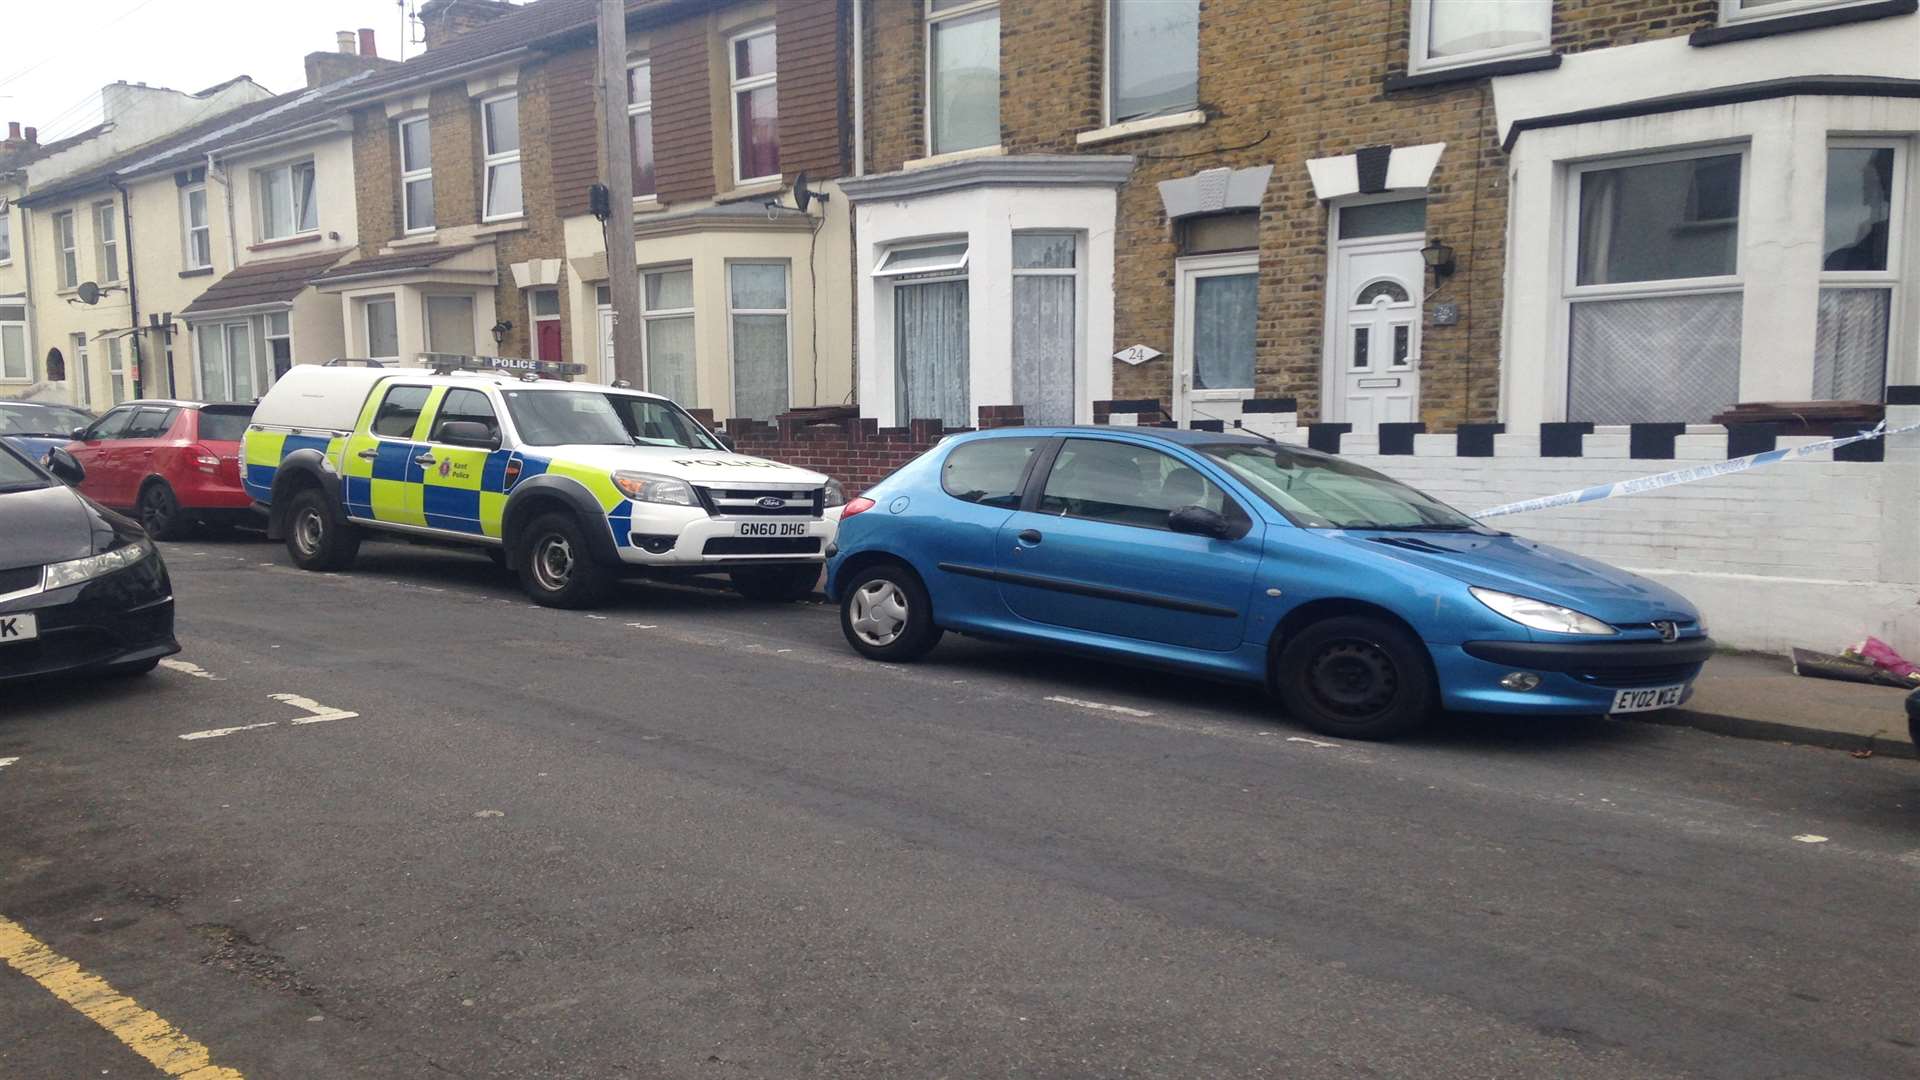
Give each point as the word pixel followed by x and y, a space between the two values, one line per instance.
pixel 1364 604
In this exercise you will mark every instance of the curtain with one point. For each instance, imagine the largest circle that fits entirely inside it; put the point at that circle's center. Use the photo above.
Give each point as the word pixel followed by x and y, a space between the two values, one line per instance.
pixel 1458 27
pixel 1850 345
pixel 1224 307
pixel 930 351
pixel 1654 359
pixel 1044 332
pixel 213 364
pixel 240 360
pixel 670 358
pixel 1156 57
pixel 450 324
pixel 760 365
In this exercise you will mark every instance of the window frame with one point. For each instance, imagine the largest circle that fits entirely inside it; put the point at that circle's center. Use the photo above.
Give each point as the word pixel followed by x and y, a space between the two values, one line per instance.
pixel 82 356
pixel 1732 12
pixel 1889 279
pixel 26 345
pixel 6 235
pixel 491 159
pixel 1418 44
pixel 1079 300
pixel 786 316
pixel 956 267
pixel 410 177
pixel 66 244
pixel 188 228
pixel 1572 291
pixel 649 315
pixel 426 318
pixel 1107 117
pixel 930 19
pixel 106 241
pixel 645 108
pixel 117 371
pixel 366 322
pixel 737 86
pixel 289 168
pixel 1187 270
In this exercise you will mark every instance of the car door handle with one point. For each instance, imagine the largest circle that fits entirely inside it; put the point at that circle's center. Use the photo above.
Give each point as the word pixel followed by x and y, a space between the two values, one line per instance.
pixel 424 459
pixel 1029 536
pixel 369 454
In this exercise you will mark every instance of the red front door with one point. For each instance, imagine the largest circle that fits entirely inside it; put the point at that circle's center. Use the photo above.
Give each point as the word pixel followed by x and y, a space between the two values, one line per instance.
pixel 549 334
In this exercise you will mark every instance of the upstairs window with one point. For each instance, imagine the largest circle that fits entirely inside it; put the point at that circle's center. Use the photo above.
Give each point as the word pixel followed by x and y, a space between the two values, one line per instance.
pixel 6 235
pixel 1734 11
pixel 756 107
pixel 106 241
pixel 640 127
pixel 500 124
pixel 1456 33
pixel 963 75
pixel 286 200
pixel 1153 58
pixel 416 175
pixel 66 248
pixel 196 232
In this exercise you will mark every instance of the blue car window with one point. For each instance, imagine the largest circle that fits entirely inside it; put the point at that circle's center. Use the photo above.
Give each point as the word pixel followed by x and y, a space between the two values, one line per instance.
pixel 1320 492
pixel 988 471
pixel 1126 485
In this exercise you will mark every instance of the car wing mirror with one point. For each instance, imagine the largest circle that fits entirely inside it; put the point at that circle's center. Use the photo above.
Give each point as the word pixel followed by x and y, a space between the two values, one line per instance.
pixel 1199 521
pixel 469 433
pixel 65 467
pixel 80 432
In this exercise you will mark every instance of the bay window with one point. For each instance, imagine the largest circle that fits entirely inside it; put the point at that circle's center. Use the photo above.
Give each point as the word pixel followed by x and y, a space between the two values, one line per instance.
pixel 640 127
pixel 500 134
pixel 1046 325
pixel 1858 277
pixel 666 313
pixel 66 249
pixel 285 197
pixel 963 75
pixel 450 325
pixel 1655 303
pixel 416 176
pixel 382 325
pixel 930 331
pixel 757 338
pixel 1457 33
pixel 106 241
pixel 226 354
pixel 752 84
pixel 1153 58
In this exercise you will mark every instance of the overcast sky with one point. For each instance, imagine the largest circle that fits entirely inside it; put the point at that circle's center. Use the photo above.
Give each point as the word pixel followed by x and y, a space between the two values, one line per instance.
pixel 61 52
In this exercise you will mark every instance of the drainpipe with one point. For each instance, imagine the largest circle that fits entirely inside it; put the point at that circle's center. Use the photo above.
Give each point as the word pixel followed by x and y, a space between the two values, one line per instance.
pixel 133 290
pixel 859 91
pixel 233 234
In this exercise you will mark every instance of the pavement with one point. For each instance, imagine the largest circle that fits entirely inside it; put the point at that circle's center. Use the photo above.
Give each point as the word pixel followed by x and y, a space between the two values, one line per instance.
pixel 426 829
pixel 1758 696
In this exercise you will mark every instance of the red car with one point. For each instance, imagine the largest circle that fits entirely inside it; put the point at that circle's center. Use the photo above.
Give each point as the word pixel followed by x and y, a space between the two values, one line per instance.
pixel 169 463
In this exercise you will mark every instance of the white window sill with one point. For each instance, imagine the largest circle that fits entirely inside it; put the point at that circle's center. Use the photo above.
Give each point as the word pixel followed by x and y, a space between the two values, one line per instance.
pixel 954 155
pixel 755 190
pixel 503 225
pixel 647 204
pixel 285 241
pixel 1128 128
pixel 1416 66
pixel 414 240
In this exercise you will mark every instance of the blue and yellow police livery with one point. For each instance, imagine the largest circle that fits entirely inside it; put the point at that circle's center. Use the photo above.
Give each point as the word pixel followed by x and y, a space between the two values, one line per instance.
pixel 569 484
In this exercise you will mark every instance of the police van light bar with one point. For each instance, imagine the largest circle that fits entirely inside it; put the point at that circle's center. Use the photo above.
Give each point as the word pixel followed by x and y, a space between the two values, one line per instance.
pixel 512 365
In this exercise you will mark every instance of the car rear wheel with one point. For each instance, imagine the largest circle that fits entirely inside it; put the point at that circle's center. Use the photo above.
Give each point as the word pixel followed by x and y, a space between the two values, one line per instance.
pixel 315 540
pixel 886 614
pixel 557 569
pixel 160 512
pixel 1356 676
pixel 775 584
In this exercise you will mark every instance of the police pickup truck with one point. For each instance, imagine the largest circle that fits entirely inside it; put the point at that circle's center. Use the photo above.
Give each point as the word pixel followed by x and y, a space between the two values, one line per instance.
pixel 568 484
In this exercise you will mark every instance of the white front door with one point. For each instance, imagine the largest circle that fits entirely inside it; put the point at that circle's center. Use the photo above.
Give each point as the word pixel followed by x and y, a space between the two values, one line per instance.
pixel 1217 304
pixel 1374 373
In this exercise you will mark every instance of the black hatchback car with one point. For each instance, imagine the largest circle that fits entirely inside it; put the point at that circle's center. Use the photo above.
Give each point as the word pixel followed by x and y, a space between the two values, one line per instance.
pixel 81 588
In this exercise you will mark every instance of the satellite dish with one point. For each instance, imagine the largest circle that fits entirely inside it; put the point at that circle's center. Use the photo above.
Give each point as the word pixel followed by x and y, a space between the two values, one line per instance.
pixel 89 293
pixel 803 195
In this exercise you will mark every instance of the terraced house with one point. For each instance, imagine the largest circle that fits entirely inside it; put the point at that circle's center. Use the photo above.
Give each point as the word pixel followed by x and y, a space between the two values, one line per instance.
pixel 1406 211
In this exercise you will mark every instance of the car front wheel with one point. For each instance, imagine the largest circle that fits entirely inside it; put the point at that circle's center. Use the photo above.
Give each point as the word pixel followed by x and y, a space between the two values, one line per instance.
pixel 557 569
pixel 314 538
pixel 886 614
pixel 1356 676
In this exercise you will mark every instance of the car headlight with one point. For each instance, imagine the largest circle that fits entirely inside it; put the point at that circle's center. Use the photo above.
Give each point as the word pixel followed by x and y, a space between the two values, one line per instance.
pixel 1540 615
pixel 834 495
pixel 646 487
pixel 61 574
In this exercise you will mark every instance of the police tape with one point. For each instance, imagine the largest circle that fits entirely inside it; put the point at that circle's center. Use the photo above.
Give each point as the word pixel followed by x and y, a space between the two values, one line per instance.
pixel 1644 484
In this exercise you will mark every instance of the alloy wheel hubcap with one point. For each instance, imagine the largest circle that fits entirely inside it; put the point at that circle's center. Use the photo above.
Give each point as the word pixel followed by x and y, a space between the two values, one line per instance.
pixel 553 563
pixel 879 612
pixel 1353 678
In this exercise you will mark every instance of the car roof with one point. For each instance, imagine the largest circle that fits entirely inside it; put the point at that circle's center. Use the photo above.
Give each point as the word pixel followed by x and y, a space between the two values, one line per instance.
pixel 1183 436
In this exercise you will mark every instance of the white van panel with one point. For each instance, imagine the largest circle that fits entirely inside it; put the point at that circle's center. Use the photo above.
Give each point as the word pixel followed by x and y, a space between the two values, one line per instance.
pixel 329 398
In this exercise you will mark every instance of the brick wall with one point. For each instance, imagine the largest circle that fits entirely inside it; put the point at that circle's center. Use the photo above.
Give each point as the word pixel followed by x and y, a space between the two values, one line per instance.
pixel 376 194
pixel 453 123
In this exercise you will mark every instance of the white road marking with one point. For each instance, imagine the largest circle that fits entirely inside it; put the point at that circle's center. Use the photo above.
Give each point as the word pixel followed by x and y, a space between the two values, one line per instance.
pixel 1099 706
pixel 600 617
pixel 214 733
pixel 1810 838
pixel 644 625
pixel 321 713
pixel 1312 742
pixel 6 761
pixel 185 667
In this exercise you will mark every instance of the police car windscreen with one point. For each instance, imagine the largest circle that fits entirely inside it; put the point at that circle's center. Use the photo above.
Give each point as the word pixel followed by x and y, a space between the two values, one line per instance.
pixel 660 423
pixel 565 417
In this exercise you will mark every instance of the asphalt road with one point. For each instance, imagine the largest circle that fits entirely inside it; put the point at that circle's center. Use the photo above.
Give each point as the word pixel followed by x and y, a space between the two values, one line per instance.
pixel 691 837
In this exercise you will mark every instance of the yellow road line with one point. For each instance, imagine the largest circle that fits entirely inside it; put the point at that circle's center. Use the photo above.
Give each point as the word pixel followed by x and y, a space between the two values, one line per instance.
pixel 145 1033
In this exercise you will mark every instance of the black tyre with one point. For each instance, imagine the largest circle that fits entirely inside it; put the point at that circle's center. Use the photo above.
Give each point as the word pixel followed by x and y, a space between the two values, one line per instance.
pixel 776 584
pixel 886 614
pixel 1356 677
pixel 315 539
pixel 557 568
pixel 159 511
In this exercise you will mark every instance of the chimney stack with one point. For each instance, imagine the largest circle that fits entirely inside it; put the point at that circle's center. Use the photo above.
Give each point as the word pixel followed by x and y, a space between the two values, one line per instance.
pixel 331 67
pixel 33 136
pixel 13 131
pixel 366 42
pixel 444 20
pixel 345 40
